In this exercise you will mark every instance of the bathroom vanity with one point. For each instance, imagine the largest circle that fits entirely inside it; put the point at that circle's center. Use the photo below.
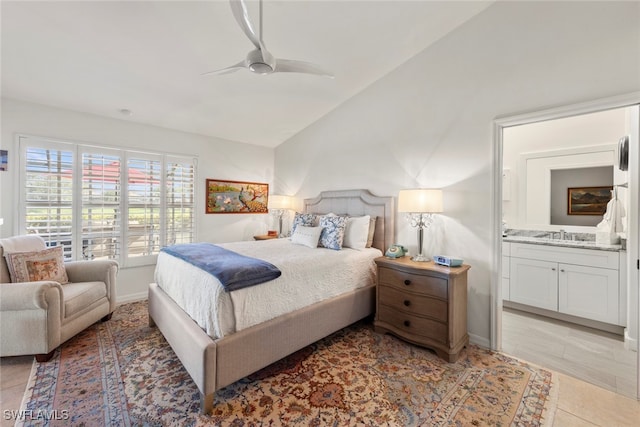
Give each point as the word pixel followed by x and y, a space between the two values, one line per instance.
pixel 573 280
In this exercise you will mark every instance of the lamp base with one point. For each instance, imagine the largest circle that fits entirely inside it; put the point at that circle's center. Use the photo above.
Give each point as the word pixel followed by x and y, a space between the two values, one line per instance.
pixel 420 258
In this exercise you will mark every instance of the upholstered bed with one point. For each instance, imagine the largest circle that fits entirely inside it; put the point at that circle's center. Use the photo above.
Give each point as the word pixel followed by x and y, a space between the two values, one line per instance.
pixel 216 362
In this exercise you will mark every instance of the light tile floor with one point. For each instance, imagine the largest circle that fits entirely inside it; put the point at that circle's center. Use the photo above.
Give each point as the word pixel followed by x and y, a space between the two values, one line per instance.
pixel 588 354
pixel 579 403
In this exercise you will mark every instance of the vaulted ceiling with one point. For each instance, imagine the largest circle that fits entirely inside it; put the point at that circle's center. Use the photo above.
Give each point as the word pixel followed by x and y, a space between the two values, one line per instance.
pixel 147 57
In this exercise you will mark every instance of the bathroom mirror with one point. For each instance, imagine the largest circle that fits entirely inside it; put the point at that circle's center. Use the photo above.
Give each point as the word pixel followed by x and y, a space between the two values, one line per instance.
pixel 579 196
pixel 542 160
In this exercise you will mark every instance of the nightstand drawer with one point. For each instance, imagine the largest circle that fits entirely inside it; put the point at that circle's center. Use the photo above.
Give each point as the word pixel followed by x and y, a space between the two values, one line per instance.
pixel 426 285
pixel 413 325
pixel 415 304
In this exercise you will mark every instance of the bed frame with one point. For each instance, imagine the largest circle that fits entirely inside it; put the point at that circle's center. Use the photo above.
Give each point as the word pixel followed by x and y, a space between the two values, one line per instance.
pixel 216 363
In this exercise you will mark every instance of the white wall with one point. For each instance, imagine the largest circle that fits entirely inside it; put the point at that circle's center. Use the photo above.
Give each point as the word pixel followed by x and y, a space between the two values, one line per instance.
pixel 217 158
pixel 429 122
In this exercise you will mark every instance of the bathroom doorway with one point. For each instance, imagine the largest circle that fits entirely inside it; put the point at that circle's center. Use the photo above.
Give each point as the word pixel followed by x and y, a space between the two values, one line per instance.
pixel 579 143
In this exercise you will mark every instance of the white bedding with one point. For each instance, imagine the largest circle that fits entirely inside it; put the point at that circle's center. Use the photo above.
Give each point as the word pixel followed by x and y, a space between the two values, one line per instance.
pixel 308 275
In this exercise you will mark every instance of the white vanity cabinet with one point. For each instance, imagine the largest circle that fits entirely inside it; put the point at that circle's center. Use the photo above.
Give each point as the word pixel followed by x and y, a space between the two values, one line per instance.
pixel 574 281
pixel 588 292
pixel 534 282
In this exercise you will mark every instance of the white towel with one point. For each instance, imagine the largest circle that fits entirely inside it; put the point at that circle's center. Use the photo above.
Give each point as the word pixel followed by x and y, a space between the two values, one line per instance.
pixel 614 214
pixel 25 243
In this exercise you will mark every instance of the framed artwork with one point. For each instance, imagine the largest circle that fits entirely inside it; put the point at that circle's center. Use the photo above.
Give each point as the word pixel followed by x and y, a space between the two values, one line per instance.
pixel 588 200
pixel 4 160
pixel 225 197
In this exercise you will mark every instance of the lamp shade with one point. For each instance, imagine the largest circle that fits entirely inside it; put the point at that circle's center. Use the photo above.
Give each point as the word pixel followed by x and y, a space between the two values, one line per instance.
pixel 277 201
pixel 420 200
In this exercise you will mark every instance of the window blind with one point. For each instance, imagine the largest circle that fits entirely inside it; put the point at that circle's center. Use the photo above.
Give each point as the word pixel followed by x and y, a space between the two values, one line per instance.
pixel 143 206
pixel 101 211
pixel 101 202
pixel 180 220
pixel 48 196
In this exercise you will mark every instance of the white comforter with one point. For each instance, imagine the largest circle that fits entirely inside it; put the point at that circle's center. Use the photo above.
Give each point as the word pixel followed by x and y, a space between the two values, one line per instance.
pixel 308 275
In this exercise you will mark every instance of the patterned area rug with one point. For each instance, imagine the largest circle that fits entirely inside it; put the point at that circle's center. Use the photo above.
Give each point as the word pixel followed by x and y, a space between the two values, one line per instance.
pixel 122 372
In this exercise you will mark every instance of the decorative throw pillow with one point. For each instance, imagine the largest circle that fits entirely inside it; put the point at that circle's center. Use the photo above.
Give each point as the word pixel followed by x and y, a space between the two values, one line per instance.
pixel 356 232
pixel 332 234
pixel 306 236
pixel 47 264
pixel 305 219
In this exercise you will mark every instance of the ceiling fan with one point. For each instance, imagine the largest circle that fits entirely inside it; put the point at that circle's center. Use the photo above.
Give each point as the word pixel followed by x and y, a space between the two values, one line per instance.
pixel 259 60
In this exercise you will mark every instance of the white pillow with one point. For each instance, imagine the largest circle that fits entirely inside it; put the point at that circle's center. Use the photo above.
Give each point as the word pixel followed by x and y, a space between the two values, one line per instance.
pixel 357 232
pixel 306 236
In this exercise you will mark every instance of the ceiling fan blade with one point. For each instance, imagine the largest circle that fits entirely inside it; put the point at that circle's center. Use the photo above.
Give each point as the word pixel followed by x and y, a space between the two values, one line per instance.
pixel 293 66
pixel 227 70
pixel 242 16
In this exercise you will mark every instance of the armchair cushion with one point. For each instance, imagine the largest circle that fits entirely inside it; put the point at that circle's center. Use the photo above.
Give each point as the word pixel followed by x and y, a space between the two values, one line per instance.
pixel 47 264
pixel 81 296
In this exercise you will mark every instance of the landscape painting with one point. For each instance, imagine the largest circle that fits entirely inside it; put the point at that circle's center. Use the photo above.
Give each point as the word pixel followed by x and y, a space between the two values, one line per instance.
pixel 588 200
pixel 225 197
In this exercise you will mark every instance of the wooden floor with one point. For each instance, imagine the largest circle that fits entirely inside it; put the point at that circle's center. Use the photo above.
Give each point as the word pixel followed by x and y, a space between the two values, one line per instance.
pixel 579 403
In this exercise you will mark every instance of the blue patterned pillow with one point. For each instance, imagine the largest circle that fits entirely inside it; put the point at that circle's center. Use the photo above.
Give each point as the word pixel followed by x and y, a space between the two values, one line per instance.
pixel 305 219
pixel 332 231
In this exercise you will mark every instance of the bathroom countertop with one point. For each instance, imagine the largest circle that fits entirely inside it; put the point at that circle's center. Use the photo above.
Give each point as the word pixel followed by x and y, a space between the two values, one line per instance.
pixel 565 243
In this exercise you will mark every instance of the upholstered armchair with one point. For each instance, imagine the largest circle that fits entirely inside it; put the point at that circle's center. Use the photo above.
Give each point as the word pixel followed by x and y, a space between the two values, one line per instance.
pixel 45 301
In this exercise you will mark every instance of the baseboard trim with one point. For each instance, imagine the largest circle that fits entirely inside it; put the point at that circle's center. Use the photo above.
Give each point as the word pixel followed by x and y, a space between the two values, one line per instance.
pixel 595 324
pixel 479 341
pixel 630 343
pixel 132 298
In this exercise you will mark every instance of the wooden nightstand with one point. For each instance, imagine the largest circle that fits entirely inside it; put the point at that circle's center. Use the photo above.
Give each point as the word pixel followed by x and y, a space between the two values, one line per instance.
pixel 423 303
pixel 264 237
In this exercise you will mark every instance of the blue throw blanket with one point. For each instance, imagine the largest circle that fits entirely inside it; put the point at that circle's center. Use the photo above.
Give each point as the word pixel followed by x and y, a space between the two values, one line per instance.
pixel 233 270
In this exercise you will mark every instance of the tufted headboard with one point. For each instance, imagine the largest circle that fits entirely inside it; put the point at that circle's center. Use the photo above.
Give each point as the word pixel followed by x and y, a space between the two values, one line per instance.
pixel 358 203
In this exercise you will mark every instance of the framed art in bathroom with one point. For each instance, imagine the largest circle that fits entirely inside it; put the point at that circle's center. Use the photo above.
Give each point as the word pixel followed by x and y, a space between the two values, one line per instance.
pixel 4 160
pixel 588 200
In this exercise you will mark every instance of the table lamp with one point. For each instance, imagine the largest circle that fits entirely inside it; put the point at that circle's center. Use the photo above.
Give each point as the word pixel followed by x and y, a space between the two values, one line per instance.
pixel 278 206
pixel 420 204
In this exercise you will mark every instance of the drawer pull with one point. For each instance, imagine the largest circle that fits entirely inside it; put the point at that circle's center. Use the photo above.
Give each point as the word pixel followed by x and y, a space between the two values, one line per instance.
pixel 407 282
pixel 407 303
pixel 407 323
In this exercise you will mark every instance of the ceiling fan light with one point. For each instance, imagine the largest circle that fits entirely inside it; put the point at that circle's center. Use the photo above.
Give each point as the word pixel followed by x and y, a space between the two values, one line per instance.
pixel 260 68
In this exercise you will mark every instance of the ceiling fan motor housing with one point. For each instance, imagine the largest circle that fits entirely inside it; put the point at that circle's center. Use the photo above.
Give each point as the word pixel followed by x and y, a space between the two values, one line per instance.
pixel 259 63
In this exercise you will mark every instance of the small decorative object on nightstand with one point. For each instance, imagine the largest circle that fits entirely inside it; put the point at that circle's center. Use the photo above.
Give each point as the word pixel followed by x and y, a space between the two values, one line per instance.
pixel 265 237
pixel 423 303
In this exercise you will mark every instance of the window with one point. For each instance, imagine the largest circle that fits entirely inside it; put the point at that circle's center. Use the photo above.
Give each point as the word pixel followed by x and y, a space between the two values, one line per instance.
pixel 101 199
pixel 48 194
pixel 143 234
pixel 125 205
pixel 179 206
